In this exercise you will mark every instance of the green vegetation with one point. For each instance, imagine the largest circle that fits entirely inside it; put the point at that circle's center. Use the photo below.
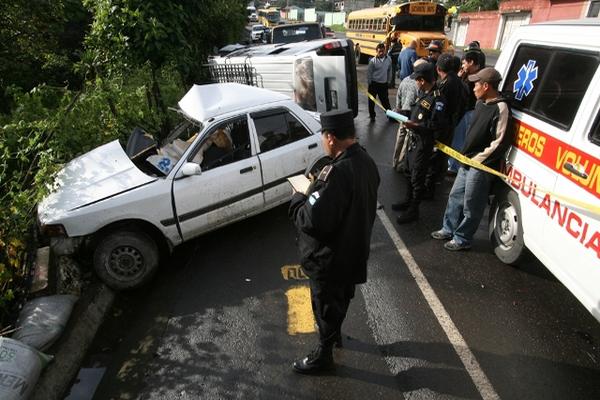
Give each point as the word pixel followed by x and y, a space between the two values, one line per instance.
pixel 338 28
pixel 473 5
pixel 78 73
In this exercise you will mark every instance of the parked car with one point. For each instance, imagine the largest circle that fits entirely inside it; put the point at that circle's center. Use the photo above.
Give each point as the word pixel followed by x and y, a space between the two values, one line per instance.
pixel 227 160
pixel 258 32
pixel 329 33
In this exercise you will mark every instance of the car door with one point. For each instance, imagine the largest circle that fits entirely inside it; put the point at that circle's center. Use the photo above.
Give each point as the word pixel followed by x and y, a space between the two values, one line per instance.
pixel 286 147
pixel 229 187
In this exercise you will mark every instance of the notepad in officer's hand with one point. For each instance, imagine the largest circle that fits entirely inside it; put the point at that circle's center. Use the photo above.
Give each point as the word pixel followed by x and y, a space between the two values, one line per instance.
pixel 300 183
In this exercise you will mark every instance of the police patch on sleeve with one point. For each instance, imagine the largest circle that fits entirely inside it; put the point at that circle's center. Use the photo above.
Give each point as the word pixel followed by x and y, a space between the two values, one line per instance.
pixel 439 106
pixel 312 199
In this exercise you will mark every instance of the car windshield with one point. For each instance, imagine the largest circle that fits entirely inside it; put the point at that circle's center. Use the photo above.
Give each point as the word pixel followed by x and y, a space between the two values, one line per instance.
pixel 172 148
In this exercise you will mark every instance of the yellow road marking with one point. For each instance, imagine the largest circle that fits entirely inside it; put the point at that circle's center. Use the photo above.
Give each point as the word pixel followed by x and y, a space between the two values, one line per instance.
pixel 300 315
pixel 293 272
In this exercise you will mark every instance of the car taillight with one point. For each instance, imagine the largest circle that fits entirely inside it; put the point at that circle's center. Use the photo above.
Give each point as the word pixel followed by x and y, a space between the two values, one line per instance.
pixel 332 45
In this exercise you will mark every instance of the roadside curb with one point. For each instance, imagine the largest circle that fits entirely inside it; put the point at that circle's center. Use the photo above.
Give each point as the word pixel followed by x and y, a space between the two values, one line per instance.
pixel 72 347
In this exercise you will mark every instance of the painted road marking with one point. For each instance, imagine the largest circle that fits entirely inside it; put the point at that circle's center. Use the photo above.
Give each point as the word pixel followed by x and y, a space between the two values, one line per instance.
pixel 471 364
pixel 294 272
pixel 300 315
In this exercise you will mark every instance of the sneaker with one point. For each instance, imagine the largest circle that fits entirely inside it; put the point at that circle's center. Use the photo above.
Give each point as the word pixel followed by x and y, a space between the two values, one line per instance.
pixel 455 246
pixel 441 235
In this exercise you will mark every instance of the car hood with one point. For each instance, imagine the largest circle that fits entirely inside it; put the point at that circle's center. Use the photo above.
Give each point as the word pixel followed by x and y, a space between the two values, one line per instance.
pixel 103 172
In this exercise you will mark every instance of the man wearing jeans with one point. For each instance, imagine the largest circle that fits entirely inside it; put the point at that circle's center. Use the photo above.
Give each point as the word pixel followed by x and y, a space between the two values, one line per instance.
pixel 486 142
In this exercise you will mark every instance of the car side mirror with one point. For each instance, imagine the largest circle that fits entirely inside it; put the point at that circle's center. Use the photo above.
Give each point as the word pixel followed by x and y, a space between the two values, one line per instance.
pixel 190 169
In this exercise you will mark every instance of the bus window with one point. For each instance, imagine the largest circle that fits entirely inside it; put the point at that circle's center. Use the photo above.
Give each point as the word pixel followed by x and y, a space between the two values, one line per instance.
pixel 422 21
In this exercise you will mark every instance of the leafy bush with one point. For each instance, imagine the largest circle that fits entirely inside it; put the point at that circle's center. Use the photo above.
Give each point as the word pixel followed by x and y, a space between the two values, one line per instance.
pixel 50 126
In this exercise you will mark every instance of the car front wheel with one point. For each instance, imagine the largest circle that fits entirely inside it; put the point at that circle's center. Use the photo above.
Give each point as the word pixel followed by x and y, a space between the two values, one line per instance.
pixel 126 259
pixel 506 227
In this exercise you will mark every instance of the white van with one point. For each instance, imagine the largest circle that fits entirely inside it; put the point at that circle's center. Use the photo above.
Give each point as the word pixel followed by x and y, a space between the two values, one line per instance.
pixel 552 205
pixel 320 75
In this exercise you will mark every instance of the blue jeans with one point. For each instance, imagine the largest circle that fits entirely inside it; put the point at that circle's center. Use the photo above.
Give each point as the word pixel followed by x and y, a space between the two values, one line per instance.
pixel 466 204
pixel 458 139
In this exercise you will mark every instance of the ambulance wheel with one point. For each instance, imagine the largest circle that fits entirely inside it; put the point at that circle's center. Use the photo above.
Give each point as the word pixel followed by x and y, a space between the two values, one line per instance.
pixel 505 227
pixel 126 259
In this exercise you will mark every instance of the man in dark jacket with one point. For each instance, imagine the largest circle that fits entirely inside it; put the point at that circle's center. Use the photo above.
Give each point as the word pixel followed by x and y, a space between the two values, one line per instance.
pixel 455 91
pixel 334 221
pixel 428 120
pixel 487 141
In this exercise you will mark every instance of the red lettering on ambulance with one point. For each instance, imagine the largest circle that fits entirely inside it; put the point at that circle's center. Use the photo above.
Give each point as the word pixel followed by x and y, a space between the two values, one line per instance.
pixel 594 243
pixel 546 204
pixel 573 216
pixel 556 211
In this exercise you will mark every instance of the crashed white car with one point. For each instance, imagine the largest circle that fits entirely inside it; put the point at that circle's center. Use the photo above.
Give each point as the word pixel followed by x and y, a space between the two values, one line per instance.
pixel 228 160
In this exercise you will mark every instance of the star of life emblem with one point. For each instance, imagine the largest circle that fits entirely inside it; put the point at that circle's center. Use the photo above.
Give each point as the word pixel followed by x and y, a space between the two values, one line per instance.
pixel 524 84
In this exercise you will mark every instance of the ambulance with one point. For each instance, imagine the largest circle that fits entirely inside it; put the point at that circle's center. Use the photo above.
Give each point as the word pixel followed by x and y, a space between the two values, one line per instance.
pixel 551 204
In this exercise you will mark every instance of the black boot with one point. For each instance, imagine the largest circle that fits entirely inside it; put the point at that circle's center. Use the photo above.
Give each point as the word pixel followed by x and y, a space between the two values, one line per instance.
pixel 318 361
pixel 402 205
pixel 411 214
pixel 338 341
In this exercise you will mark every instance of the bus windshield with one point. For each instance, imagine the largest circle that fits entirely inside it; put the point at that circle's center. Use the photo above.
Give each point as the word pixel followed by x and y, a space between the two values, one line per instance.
pixel 425 23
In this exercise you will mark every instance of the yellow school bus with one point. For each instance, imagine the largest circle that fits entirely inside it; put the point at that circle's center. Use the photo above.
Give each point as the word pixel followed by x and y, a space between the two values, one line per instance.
pixel 269 17
pixel 422 21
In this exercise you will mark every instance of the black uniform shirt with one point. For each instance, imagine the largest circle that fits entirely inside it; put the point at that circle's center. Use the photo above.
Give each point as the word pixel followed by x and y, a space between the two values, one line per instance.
pixel 335 221
pixel 429 113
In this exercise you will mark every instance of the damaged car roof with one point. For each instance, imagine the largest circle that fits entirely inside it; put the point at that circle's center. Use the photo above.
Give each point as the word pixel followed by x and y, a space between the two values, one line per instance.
pixel 202 102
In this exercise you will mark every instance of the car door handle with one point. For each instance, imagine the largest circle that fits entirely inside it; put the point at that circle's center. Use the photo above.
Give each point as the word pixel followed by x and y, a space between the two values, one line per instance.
pixel 247 169
pixel 312 146
pixel 575 171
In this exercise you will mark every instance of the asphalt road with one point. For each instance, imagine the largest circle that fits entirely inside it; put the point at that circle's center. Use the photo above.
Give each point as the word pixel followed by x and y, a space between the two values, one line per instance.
pixel 429 324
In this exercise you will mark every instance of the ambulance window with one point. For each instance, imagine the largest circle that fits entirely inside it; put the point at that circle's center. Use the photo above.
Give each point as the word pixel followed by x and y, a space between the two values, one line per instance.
pixel 595 132
pixel 549 83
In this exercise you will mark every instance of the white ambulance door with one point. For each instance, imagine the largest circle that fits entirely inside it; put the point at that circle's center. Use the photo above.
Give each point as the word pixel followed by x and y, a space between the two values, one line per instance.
pixel 229 186
pixel 575 248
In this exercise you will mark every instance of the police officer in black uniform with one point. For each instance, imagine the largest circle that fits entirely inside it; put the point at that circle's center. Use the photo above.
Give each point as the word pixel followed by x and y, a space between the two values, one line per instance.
pixel 428 122
pixel 334 220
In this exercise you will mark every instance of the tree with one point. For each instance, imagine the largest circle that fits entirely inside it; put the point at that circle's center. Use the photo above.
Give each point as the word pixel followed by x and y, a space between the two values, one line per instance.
pixel 39 43
pixel 129 34
pixel 474 5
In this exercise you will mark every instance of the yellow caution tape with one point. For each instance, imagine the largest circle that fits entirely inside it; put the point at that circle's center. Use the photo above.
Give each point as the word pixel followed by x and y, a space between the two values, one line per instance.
pixel 470 162
pixel 365 91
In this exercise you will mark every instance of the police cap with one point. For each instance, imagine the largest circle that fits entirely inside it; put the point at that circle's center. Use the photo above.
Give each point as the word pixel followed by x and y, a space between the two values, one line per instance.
pixel 435 45
pixel 424 71
pixel 340 122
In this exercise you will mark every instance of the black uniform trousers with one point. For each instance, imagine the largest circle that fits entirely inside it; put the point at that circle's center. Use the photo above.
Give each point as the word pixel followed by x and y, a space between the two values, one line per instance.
pixel 380 90
pixel 418 156
pixel 330 301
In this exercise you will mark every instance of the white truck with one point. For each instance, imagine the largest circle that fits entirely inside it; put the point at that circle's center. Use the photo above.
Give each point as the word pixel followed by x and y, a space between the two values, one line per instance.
pixel 320 75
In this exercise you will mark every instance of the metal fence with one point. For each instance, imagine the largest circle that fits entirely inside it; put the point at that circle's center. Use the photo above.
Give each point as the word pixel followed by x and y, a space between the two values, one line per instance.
pixel 237 73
